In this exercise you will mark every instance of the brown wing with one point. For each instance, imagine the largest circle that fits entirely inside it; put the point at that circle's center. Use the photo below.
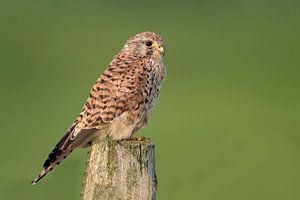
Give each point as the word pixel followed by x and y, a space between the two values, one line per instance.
pixel 119 89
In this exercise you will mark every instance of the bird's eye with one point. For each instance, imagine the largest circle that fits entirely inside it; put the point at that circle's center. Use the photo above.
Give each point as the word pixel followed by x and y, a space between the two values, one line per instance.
pixel 149 44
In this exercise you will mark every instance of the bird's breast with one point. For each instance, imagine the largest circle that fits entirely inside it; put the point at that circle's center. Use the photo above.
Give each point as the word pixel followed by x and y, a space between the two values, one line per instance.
pixel 155 77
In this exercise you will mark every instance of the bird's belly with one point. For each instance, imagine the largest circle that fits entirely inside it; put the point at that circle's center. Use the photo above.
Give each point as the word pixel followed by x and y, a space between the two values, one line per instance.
pixel 121 127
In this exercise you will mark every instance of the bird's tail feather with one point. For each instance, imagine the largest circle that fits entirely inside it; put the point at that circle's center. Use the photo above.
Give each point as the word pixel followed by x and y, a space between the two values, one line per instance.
pixel 59 153
pixel 39 177
pixel 64 147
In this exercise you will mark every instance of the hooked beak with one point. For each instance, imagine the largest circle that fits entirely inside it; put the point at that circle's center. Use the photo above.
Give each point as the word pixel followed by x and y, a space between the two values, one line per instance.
pixel 161 50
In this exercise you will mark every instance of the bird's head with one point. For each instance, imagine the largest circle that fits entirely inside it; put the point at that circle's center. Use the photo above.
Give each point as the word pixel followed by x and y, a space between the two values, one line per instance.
pixel 146 44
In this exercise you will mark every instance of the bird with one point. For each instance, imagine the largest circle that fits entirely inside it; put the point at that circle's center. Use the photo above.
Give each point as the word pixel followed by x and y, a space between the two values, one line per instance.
pixel 120 101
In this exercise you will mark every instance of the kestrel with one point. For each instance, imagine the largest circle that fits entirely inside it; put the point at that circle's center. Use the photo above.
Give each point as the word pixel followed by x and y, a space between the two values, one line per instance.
pixel 120 101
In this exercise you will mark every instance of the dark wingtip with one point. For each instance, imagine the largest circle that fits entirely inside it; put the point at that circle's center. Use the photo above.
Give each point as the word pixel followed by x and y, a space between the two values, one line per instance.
pixel 38 178
pixel 33 182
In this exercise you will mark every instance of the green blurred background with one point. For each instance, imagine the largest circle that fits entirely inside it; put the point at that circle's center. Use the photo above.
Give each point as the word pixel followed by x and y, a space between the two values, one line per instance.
pixel 227 124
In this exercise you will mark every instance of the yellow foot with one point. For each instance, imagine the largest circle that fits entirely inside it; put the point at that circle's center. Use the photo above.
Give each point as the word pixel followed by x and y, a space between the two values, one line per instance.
pixel 137 139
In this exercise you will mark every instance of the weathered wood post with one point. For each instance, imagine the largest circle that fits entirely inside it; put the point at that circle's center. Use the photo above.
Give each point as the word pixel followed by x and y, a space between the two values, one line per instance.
pixel 120 170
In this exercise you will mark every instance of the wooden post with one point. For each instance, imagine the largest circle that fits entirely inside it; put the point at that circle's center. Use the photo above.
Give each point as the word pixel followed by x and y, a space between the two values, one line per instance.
pixel 120 170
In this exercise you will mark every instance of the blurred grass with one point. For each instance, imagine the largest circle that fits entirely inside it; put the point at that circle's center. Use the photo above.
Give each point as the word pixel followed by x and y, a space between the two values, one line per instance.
pixel 226 126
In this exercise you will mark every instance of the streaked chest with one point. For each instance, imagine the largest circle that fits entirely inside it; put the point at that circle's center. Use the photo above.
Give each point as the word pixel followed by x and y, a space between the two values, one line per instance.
pixel 155 74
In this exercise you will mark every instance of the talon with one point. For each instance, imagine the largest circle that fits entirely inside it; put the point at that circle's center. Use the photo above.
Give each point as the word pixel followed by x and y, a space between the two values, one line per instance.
pixel 142 139
pixel 136 139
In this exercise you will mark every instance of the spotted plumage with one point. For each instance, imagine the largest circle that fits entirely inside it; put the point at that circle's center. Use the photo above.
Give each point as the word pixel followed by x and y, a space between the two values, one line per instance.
pixel 120 101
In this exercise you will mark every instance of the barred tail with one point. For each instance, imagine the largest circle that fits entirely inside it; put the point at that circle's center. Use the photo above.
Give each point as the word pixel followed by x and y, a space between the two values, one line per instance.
pixel 59 153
